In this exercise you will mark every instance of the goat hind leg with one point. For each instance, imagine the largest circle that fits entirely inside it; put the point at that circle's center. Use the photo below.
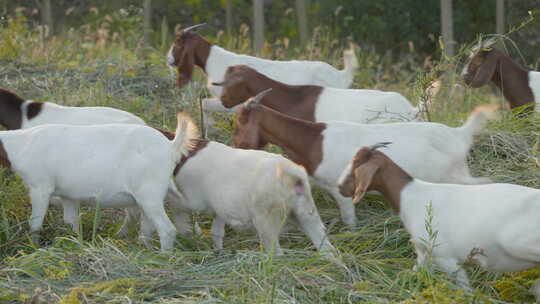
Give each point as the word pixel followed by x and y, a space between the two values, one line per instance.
pixel 40 199
pixel 218 232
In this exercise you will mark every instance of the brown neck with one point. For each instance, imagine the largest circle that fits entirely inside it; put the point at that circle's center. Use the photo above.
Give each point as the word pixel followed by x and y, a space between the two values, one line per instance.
pixel 513 81
pixel 199 145
pixel 202 52
pixel 301 140
pixel 10 110
pixel 390 181
pixel 295 101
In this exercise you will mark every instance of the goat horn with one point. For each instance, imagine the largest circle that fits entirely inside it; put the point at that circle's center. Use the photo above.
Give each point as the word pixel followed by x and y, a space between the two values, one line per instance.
pixel 379 145
pixel 191 28
pixel 257 98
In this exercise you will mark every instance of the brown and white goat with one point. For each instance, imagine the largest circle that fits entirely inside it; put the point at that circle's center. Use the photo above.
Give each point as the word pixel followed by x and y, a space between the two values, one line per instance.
pixel 494 226
pixel 325 149
pixel 315 103
pixel 190 50
pixel 519 86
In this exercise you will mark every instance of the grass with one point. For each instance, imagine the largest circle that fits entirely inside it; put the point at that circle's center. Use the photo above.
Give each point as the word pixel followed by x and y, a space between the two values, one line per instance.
pixel 99 267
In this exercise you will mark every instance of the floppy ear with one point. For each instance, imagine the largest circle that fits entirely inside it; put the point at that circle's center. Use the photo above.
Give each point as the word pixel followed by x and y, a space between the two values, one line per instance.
pixel 486 70
pixel 185 66
pixel 364 174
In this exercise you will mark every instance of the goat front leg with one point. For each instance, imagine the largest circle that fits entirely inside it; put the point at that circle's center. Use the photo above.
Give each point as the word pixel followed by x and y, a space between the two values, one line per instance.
pixel 346 209
pixel 453 269
pixel 218 232
pixel 40 199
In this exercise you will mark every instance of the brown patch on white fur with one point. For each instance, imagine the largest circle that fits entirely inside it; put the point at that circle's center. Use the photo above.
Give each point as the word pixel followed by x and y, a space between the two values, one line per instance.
pixel 509 77
pixel 188 50
pixel 10 110
pixel 33 109
pixel 257 125
pixel 198 145
pixel 373 170
pixel 241 82
pixel 4 159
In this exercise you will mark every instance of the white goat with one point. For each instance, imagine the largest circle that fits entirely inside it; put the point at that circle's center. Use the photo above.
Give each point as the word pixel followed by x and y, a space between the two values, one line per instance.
pixel 115 165
pixel 315 103
pixel 17 113
pixel 430 151
pixel 190 49
pixel 246 189
pixel 495 226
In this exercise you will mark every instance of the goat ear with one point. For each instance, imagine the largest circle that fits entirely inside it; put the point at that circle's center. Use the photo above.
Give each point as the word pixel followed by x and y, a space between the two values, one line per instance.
pixel 485 71
pixel 364 175
pixel 185 66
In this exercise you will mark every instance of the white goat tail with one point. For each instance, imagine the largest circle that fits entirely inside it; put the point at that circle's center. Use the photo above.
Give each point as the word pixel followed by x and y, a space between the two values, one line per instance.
pixel 350 62
pixel 294 176
pixel 479 118
pixel 186 131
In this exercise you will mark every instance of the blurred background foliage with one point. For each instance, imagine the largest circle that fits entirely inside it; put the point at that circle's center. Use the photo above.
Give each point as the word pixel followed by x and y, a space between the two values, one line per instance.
pixel 389 27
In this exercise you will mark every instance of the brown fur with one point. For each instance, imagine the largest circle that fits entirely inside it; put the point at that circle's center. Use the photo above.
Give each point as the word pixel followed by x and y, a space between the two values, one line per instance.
pixel 509 77
pixel 189 49
pixel 241 82
pixel 10 110
pixel 33 109
pixel 373 170
pixel 256 125
pixel 4 159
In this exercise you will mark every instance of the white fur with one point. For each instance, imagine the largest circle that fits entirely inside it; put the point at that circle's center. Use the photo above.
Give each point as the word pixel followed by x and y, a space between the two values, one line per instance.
pixel 115 165
pixel 430 151
pixel 363 106
pixel 534 84
pixel 498 222
pixel 58 114
pixel 249 189
pixel 52 113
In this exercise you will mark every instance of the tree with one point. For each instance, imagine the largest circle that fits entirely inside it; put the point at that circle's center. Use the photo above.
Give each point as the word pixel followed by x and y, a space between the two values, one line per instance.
pixel 258 25
pixel 46 16
pixel 147 23
pixel 228 16
pixel 500 17
pixel 447 27
pixel 302 20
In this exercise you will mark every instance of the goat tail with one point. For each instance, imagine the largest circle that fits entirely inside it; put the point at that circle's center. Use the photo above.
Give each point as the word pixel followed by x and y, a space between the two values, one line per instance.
pixel 350 62
pixel 294 176
pixel 186 131
pixel 479 118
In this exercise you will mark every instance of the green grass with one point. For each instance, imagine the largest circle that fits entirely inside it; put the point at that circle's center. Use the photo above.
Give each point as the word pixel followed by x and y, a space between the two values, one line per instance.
pixel 99 267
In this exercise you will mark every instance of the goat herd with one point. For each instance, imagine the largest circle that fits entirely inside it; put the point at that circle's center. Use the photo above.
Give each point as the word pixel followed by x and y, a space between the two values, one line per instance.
pixel 331 134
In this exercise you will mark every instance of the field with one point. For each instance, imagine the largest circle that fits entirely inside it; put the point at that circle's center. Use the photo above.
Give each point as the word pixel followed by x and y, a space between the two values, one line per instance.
pixel 86 67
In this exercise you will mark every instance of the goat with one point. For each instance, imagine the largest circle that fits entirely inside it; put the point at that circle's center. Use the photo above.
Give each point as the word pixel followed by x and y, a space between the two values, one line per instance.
pixel 519 86
pixel 494 226
pixel 315 103
pixel 247 188
pixel 18 113
pixel 325 149
pixel 190 50
pixel 113 165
